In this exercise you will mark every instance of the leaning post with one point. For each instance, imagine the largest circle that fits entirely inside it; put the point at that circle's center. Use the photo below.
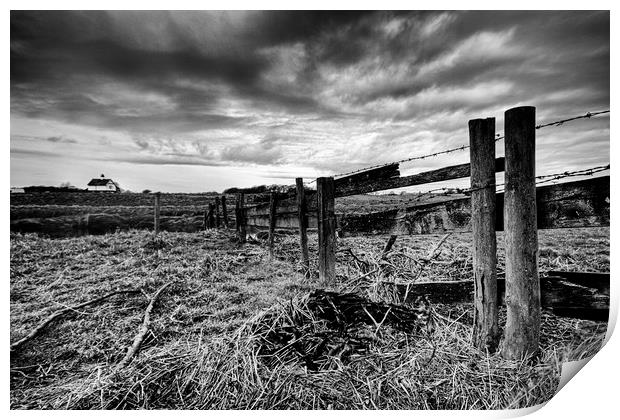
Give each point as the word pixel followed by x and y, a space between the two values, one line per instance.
pixel 302 210
pixel 157 212
pixel 522 332
pixel 484 247
pixel 327 230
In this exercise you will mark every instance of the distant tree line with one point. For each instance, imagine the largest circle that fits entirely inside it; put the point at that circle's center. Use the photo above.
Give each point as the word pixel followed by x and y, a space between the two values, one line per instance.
pixel 46 188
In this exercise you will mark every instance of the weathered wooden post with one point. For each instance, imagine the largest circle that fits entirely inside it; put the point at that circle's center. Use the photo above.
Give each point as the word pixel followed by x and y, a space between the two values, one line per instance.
pixel 224 211
pixel 157 212
pixel 273 203
pixel 218 220
pixel 484 249
pixel 240 216
pixel 327 230
pixel 522 333
pixel 302 210
pixel 210 216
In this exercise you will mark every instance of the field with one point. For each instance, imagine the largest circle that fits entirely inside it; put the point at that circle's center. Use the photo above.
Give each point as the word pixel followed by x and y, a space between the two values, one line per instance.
pixel 74 214
pixel 237 329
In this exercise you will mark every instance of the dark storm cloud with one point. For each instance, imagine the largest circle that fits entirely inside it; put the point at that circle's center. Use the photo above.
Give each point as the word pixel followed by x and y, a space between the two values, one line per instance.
pixel 46 45
pixel 51 47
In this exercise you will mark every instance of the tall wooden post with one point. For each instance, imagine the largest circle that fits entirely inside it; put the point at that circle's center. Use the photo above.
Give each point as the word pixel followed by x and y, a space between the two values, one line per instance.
pixel 482 157
pixel 217 212
pixel 224 211
pixel 273 203
pixel 302 210
pixel 522 333
pixel 157 211
pixel 240 216
pixel 327 230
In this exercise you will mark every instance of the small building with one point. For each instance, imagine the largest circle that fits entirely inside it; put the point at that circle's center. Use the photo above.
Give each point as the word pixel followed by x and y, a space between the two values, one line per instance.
pixel 103 184
pixel 17 190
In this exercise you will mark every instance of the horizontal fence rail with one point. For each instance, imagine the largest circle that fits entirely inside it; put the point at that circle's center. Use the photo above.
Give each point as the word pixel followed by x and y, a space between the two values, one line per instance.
pixel 344 187
pixel 361 183
pixel 573 204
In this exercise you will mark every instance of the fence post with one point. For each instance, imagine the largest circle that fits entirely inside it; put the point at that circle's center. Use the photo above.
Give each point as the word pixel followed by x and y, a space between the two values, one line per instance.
pixel 273 203
pixel 217 212
pixel 484 249
pixel 240 218
pixel 522 333
pixel 224 211
pixel 157 210
pixel 302 210
pixel 327 230
pixel 210 219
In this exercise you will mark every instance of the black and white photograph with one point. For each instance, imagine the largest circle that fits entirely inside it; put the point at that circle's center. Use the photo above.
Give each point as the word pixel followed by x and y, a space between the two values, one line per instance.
pixel 306 209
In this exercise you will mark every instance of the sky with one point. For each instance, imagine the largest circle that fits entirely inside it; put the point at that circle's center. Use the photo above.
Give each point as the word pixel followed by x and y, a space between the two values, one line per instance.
pixel 206 100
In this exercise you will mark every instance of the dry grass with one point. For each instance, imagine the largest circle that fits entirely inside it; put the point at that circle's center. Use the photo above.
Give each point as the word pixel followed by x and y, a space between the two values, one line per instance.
pixel 207 343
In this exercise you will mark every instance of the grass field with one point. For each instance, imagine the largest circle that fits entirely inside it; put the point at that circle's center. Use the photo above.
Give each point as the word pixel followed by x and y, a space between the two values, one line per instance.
pixel 75 214
pixel 210 329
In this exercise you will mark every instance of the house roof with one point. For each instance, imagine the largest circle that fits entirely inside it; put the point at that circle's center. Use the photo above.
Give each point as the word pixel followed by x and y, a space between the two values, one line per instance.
pixel 100 182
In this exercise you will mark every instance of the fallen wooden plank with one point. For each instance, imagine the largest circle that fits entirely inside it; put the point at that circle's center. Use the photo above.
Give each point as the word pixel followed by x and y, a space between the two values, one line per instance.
pixel 364 186
pixel 558 295
pixel 599 281
pixel 563 297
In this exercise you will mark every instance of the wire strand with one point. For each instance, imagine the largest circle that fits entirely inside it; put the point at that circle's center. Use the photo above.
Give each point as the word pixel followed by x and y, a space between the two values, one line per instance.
pixel 463 147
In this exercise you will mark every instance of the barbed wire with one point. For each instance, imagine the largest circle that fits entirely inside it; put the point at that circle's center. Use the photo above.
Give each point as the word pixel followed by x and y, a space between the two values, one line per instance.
pixel 463 147
pixel 560 122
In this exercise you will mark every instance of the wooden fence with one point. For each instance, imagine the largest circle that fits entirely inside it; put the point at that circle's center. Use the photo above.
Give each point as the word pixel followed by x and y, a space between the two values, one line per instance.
pixel 520 210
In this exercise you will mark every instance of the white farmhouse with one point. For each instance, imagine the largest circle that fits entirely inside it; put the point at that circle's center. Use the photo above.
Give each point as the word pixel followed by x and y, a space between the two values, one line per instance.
pixel 17 190
pixel 103 184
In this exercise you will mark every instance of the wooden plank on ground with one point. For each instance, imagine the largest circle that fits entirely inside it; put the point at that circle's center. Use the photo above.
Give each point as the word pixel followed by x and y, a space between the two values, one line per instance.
pixel 557 295
pixel 344 189
pixel 599 281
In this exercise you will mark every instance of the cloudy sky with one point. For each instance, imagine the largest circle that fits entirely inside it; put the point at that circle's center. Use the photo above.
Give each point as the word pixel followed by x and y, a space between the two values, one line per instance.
pixel 202 101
